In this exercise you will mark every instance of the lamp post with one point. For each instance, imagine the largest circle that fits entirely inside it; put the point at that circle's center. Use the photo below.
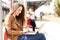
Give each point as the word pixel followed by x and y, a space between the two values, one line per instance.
pixel 10 5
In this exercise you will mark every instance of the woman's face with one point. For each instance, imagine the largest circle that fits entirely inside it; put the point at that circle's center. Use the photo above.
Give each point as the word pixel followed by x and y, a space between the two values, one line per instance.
pixel 19 10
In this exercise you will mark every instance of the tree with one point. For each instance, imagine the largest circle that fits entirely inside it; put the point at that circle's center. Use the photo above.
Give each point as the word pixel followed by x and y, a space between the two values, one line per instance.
pixel 57 7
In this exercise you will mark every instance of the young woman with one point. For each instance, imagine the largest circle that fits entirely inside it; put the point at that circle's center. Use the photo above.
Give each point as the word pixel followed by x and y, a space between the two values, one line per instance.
pixel 15 22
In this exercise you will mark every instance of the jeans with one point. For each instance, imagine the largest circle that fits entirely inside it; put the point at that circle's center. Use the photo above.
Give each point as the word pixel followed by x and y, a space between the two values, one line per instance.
pixel 38 36
pixel 32 21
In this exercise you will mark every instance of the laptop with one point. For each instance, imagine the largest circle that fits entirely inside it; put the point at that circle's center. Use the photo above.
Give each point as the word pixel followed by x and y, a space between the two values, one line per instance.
pixel 31 32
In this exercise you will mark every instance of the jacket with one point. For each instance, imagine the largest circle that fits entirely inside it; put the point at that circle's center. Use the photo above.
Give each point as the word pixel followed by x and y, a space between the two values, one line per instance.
pixel 12 30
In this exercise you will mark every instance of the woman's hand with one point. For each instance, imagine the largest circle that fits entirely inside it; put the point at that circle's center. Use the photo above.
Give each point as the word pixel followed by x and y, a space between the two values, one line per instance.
pixel 21 32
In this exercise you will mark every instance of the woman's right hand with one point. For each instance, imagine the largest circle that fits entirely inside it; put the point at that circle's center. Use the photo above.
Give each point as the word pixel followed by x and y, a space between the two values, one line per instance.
pixel 21 32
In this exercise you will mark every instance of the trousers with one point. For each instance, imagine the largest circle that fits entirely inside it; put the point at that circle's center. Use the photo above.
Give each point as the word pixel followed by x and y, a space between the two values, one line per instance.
pixel 39 36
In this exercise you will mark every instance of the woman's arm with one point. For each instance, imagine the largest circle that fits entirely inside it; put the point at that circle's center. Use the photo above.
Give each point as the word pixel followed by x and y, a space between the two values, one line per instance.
pixel 8 25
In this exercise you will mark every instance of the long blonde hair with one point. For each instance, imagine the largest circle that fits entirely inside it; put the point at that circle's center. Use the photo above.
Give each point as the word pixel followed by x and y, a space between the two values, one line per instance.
pixel 14 8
